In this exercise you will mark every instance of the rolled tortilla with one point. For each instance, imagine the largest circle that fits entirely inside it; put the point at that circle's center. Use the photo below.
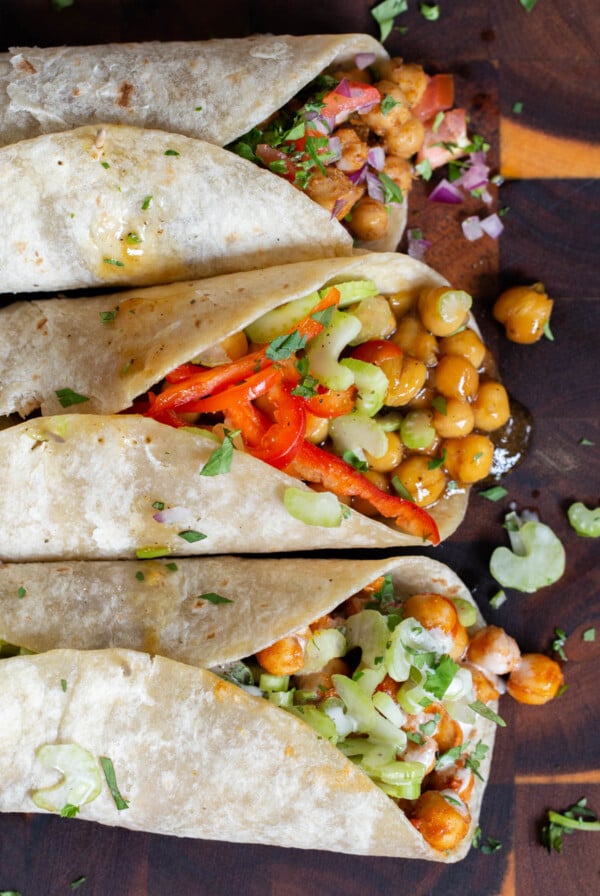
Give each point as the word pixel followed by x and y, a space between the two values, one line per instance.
pixel 47 345
pixel 213 90
pixel 84 486
pixel 120 205
pixel 196 756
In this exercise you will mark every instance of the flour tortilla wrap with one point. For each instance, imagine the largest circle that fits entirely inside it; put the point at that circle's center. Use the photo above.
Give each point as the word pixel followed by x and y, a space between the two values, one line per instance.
pixel 84 486
pixel 214 90
pixel 46 345
pixel 120 205
pixel 196 756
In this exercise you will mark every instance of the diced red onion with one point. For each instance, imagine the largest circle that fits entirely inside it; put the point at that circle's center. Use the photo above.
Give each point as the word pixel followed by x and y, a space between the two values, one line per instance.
pixel 364 60
pixel 358 176
pixel 376 157
pixel 493 226
pixel 478 158
pixel 446 192
pixel 173 516
pixel 486 196
pixel 310 116
pixel 473 177
pixel 337 207
pixel 362 110
pixel 375 187
pixel 472 229
pixel 335 148
pixel 343 88
pixel 322 126
pixel 417 246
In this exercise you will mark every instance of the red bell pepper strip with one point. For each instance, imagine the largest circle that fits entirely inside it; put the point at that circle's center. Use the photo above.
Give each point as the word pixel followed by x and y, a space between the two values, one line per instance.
pixel 281 442
pixel 252 388
pixel 184 372
pixel 249 420
pixel 313 464
pixel 331 403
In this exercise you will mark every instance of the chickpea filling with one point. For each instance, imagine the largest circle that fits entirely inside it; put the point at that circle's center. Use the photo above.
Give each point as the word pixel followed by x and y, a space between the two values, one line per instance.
pixel 355 139
pixel 397 682
pixel 376 398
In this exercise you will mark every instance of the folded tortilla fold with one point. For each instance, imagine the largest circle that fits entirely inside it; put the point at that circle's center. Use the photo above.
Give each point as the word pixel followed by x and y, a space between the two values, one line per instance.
pixel 120 205
pixel 47 345
pixel 215 90
pixel 84 486
pixel 196 756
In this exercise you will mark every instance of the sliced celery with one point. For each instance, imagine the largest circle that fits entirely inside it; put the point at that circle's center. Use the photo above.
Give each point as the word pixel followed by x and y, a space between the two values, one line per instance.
pixel 584 520
pixel 81 781
pixel 357 433
pixel 324 350
pixel 467 612
pixel 313 508
pixel 318 720
pixel 537 557
pixel 416 430
pixel 372 385
pixel 273 682
pixel 281 320
pixel 369 631
pixel 324 646
pixel 376 319
pixel 352 291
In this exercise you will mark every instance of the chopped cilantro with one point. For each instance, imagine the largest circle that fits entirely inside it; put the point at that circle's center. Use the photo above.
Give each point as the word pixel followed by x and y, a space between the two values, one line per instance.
pixel 391 190
pixel 385 13
pixel 415 737
pixel 325 316
pixel 438 680
pixel 213 598
pixel 589 634
pixel 351 458
pixel 430 11
pixel 388 103
pixel 424 169
pixel 171 152
pixel 140 576
pixel 558 644
pixel 475 758
pixel 105 164
pixel 111 780
pixel 107 316
pixel 436 462
pixel 159 505
pixel 190 535
pixel 67 397
pixel 490 846
pixel 284 346
pixel 146 203
pixel 481 709
pixel 576 818
pixel 528 4
pixel 114 261
pixel 198 109
pixel 172 567
pixel 63 685
pixel 221 458
pixel 21 592
pixel 496 493
pixel 69 811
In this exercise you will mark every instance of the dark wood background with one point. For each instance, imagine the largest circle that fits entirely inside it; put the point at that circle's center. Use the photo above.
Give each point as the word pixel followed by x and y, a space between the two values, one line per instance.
pixel 547 756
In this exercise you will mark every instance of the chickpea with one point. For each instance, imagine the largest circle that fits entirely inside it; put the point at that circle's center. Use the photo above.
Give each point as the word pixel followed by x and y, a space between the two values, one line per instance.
pixel 381 123
pixel 317 428
pixel 492 650
pixel 392 456
pixel 469 459
pixel 423 399
pixel 434 611
pixel 400 172
pixel 402 302
pixel 369 220
pixel 491 406
pixel 230 349
pixel 458 420
pixel 424 485
pixel 525 312
pixel 286 656
pixel 411 79
pixel 444 310
pixel 536 680
pixel 406 140
pixel 381 481
pixel 354 150
pixel 425 752
pixel 406 378
pixel 467 344
pixel 485 690
pixel 334 190
pixel 389 686
pixel 449 733
pixel 440 822
pixel 415 340
pixel 460 780
pixel 455 377
pixel 320 682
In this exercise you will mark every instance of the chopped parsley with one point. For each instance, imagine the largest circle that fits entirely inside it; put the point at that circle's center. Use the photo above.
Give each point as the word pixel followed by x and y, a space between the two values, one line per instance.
pixel 146 203
pixel 351 458
pixel 475 758
pixel 105 164
pixel 159 505
pixel 438 681
pixel 69 811
pixel 63 685
pixel 21 592
pixel 558 644
pixel 284 346
pixel 107 316
pixel 111 780
pixel 325 316
pixel 114 261
pixel 576 818
pixel 67 397
pixel 191 535
pixel 171 152
pixel 213 598
pixel 430 11
pixel 140 576
pixel 385 13
pixel 221 458
pixel 496 493
pixel 589 635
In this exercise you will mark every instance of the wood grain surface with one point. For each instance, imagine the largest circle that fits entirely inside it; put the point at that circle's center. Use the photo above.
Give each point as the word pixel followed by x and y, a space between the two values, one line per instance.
pixel 547 756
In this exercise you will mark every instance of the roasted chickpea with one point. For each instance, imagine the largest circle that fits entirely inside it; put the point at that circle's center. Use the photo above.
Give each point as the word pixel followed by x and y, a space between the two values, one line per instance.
pixel 485 689
pixel 286 656
pixel 392 457
pixel 524 311
pixel 424 484
pixel 492 650
pixel 441 823
pixel 448 733
pixel 333 190
pixel 455 377
pixel 411 79
pixel 457 421
pixel 400 172
pixel 469 459
pixel 369 220
pixel 354 150
pixel 230 349
pixel 444 310
pixel 403 301
pixel 536 680
pixel 425 752
pixel 406 378
pixel 467 344
pixel 491 406
pixel 434 611
pixel 415 340
pixel 317 428
pixel 407 139
pixel 382 122
pixel 321 682
pixel 459 779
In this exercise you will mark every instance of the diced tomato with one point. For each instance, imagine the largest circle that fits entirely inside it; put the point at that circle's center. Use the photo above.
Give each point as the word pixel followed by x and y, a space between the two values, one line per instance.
pixel 338 107
pixel 438 96
pixel 331 403
pixel 447 142
pixel 278 161
pixel 377 350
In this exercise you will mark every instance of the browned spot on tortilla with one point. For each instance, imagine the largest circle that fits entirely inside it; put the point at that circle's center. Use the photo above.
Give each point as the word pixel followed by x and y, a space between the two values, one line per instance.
pixel 223 691
pixel 124 96
pixel 42 323
pixel 289 752
pixel 126 669
pixel 210 636
pixel 76 92
pixel 151 641
pixel 24 65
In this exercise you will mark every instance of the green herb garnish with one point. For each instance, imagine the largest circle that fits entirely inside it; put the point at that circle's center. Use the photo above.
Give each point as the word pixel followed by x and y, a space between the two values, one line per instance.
pixel 388 103
pixel 191 535
pixel 430 11
pixel 558 644
pixel 284 346
pixel 391 190
pixel 517 107
pixel 221 458
pixel 69 811
pixel 63 685
pixel 589 635
pixel 171 152
pixel 107 316
pixel 21 592
pixel 114 261
pixel 481 709
pixel 402 490
pixel 495 493
pixel 150 553
pixel 424 169
pixel 213 598
pixel 146 203
pixel 576 818
pixel 75 884
pixel 140 576
pixel 111 780
pixel 67 397
pixel 354 460
pixel 440 404
pixel 385 13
